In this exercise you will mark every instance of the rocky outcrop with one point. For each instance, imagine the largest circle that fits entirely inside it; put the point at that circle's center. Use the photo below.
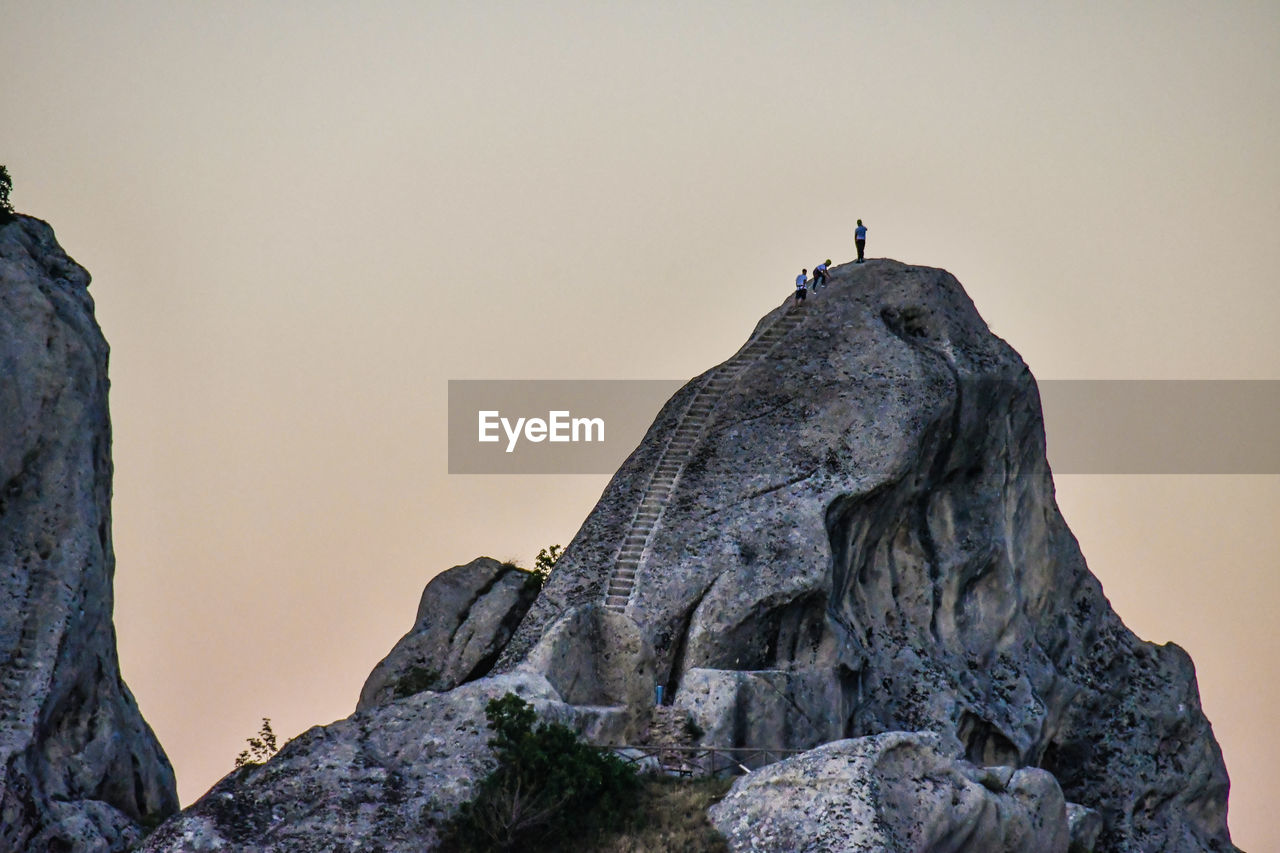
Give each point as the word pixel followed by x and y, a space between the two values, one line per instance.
pixel 81 768
pixel 596 657
pixel 465 618
pixel 386 779
pixel 846 531
pixel 861 537
pixel 893 792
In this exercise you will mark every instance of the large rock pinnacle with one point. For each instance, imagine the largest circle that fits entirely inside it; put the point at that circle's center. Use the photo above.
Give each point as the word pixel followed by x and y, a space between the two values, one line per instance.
pixel 81 768
pixel 862 537
pixel 845 534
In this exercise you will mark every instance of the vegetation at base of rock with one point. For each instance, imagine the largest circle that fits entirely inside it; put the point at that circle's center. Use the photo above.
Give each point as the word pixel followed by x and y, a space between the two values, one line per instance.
pixel 670 815
pixel 261 747
pixel 548 788
pixel 6 186
pixel 416 680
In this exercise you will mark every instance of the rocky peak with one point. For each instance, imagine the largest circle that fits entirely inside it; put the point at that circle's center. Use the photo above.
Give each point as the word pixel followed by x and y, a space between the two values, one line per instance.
pixel 858 535
pixel 845 535
pixel 81 768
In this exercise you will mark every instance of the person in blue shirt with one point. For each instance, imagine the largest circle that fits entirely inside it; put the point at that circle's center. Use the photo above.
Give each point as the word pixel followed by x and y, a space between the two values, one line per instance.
pixel 820 274
pixel 802 289
pixel 860 239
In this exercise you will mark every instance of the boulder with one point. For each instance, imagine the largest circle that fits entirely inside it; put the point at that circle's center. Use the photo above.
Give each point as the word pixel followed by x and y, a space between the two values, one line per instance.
pixel 1084 825
pixel 899 792
pixel 465 617
pixel 762 709
pixel 596 657
pixel 79 767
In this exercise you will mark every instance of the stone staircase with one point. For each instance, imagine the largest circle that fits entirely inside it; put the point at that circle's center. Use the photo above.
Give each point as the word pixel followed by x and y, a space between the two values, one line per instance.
pixel 679 450
pixel 669 726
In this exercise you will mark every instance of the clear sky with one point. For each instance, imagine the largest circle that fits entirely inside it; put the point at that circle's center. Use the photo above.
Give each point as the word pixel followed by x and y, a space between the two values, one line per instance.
pixel 303 218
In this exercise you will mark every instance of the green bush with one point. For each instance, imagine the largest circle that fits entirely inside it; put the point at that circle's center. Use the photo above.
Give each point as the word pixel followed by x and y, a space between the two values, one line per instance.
pixel 545 562
pixel 6 186
pixel 549 790
pixel 416 680
pixel 261 748
pixel 670 814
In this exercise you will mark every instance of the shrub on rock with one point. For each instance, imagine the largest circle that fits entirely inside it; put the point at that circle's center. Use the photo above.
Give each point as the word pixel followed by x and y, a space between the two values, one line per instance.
pixel 548 786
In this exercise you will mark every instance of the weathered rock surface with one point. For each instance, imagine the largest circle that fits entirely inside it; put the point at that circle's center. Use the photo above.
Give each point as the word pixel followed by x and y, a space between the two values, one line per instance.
pixel 897 792
pixel 384 780
pixel 1085 825
pixel 859 539
pixel 595 657
pixel 465 618
pixel 81 768
pixel 864 539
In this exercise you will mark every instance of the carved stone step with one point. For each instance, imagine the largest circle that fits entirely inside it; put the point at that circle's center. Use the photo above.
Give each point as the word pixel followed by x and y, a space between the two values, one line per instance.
pixel 679 449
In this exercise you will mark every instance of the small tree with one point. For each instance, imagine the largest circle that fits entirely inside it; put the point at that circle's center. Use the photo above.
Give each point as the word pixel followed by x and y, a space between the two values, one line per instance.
pixel 545 562
pixel 261 748
pixel 548 788
pixel 6 186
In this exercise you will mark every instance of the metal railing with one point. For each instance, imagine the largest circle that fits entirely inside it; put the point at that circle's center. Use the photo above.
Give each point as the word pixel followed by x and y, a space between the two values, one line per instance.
pixel 700 760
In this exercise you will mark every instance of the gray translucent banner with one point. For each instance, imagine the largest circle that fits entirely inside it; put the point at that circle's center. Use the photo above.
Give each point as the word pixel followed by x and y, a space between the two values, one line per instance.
pixel 1173 426
pixel 587 426
pixel 1092 426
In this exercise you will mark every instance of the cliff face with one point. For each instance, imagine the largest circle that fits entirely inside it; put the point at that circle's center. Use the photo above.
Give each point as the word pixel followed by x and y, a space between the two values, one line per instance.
pixel 80 765
pixel 846 530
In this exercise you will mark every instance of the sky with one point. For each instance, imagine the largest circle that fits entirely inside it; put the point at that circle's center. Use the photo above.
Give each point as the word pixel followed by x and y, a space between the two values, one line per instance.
pixel 304 218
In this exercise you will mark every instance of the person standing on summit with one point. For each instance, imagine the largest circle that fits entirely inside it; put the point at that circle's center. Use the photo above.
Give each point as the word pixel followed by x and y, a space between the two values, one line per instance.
pixel 860 239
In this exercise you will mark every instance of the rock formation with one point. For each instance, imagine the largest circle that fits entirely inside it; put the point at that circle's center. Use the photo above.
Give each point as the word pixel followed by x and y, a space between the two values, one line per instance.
pixel 81 768
pixel 895 791
pixel 381 780
pixel 846 530
pixel 862 538
pixel 465 618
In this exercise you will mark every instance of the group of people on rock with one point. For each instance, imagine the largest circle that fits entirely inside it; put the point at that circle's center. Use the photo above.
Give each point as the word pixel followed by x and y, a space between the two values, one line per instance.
pixel 820 271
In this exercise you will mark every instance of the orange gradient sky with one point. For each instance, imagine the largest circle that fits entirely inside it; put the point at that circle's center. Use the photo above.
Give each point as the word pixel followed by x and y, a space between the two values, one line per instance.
pixel 303 218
